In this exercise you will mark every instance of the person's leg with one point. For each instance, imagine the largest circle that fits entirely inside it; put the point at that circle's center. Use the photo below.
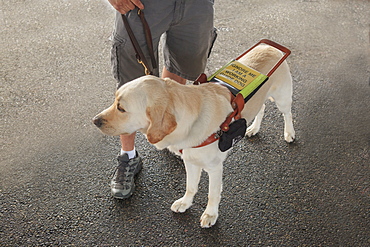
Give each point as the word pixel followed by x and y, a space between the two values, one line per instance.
pixel 128 145
pixel 187 61
pixel 189 39
pixel 126 68
pixel 158 15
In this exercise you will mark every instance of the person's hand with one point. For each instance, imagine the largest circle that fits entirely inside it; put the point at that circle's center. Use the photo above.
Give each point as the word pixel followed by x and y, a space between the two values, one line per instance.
pixel 124 6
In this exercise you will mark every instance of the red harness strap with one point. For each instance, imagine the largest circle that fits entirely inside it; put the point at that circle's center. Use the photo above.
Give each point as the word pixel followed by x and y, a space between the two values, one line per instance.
pixel 212 138
pixel 237 102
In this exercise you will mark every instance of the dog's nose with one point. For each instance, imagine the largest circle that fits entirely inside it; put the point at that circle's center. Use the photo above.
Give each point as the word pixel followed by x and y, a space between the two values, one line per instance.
pixel 97 121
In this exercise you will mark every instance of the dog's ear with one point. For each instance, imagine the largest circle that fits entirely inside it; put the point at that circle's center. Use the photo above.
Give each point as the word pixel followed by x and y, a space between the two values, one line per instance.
pixel 162 123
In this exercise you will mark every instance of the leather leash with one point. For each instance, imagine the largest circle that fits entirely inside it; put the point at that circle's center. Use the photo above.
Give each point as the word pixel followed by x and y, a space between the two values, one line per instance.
pixel 148 37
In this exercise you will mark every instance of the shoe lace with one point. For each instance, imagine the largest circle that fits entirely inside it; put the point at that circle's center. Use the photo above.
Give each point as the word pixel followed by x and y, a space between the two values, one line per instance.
pixel 125 172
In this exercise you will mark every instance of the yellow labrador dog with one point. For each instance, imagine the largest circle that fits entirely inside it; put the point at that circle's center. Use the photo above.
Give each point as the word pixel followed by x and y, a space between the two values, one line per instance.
pixel 180 117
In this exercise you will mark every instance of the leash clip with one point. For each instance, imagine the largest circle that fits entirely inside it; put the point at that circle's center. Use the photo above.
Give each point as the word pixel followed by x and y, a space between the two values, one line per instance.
pixel 147 71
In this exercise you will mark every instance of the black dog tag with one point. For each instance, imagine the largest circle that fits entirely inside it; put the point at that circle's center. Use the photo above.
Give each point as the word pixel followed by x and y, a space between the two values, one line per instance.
pixel 235 133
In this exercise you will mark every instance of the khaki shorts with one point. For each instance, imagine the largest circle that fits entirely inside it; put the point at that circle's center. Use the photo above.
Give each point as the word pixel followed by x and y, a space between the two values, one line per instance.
pixel 188 31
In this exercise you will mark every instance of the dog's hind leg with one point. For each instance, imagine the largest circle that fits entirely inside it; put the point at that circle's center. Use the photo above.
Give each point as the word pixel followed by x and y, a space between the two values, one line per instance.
pixel 193 173
pixel 255 126
pixel 285 107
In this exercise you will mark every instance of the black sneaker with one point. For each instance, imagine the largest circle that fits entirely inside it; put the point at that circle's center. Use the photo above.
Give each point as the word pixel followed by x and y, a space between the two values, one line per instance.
pixel 122 184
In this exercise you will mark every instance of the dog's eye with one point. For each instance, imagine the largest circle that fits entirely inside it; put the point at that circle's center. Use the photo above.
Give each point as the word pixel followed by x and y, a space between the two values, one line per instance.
pixel 119 108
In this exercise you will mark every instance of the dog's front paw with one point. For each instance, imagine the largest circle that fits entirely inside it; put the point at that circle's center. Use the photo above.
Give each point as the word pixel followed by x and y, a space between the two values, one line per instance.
pixel 208 220
pixel 289 136
pixel 180 205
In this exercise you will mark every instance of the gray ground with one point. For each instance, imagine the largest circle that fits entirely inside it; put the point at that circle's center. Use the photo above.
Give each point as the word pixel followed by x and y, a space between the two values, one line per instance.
pixel 55 165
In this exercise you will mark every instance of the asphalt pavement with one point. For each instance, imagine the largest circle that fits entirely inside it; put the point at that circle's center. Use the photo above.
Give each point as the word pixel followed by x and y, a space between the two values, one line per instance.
pixel 55 165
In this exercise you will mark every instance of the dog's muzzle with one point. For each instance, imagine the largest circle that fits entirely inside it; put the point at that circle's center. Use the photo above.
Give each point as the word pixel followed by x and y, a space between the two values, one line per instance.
pixel 98 121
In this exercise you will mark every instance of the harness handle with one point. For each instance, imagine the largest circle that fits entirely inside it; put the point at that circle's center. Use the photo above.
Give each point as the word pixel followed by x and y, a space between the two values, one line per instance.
pixel 285 50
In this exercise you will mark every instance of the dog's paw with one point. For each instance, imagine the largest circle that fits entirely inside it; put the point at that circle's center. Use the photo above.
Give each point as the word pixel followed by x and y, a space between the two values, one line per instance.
pixel 252 130
pixel 180 205
pixel 289 137
pixel 208 220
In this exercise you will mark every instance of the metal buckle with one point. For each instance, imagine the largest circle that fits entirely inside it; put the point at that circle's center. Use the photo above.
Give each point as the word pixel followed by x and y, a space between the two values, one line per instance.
pixel 147 72
pixel 218 133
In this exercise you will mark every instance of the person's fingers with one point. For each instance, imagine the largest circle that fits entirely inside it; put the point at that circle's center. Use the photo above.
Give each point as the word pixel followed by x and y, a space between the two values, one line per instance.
pixel 124 6
pixel 138 4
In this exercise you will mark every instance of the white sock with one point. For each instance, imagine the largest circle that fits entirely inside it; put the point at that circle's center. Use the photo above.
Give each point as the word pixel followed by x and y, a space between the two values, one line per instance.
pixel 131 154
